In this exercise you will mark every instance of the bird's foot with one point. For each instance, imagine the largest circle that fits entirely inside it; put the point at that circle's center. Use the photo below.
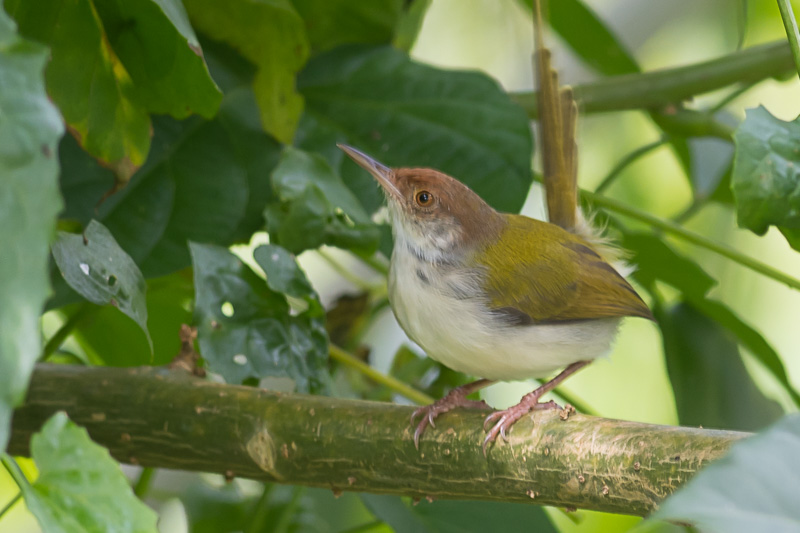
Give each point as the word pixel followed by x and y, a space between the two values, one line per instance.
pixel 503 420
pixel 455 398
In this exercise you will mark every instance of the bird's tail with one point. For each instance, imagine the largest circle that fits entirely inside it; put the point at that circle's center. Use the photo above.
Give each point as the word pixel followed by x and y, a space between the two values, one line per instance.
pixel 558 119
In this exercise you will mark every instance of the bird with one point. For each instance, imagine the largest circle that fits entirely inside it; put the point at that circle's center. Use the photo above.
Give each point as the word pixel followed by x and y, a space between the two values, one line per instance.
pixel 500 296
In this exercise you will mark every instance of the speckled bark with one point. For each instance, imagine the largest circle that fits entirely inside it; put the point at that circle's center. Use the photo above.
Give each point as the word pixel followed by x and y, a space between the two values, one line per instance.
pixel 158 418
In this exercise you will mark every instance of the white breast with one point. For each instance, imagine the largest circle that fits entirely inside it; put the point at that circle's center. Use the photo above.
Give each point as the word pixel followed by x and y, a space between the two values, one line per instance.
pixel 461 334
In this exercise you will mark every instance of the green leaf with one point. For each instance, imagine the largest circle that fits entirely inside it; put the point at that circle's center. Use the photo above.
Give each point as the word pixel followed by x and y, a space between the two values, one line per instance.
pixel 330 23
pixel 205 180
pixel 751 339
pixel 589 37
pixel 408 114
pixel 753 488
pixel 766 173
pixel 86 80
pixel 245 330
pixel 283 273
pixel 116 341
pixel 316 207
pixel 712 387
pixel 457 516
pixel 710 168
pixel 29 131
pixel 80 488
pixel 655 260
pixel 410 24
pixel 272 36
pixel 96 267
pixel 158 47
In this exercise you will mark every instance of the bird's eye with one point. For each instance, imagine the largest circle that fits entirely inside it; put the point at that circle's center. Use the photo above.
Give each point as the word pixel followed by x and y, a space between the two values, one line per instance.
pixel 424 198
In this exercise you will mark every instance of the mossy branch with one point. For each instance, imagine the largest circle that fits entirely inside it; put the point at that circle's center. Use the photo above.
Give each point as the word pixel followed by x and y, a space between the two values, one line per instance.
pixel 159 418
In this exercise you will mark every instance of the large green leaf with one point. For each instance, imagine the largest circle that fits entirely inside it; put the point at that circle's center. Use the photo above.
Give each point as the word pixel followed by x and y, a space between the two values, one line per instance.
pixel 655 260
pixel 158 47
pixel 86 80
pixel 330 23
pixel 96 267
pixel 711 384
pixel 766 174
pixel 589 37
pixel 316 207
pixel 29 131
pixel 205 180
pixel 753 488
pixel 80 488
pixel 271 35
pixel 408 114
pixel 245 329
pixel 457 516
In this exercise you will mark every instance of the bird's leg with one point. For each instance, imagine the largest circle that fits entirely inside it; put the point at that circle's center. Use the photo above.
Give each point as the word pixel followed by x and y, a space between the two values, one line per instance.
pixel 530 402
pixel 455 398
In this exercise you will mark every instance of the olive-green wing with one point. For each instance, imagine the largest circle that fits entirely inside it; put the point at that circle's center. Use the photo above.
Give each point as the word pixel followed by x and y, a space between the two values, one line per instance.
pixel 551 275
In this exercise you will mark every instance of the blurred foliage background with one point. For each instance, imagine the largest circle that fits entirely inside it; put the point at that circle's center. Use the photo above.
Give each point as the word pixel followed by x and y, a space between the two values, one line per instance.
pixel 322 209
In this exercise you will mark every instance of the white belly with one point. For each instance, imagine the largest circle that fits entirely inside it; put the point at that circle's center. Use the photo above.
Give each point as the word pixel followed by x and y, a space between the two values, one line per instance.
pixel 462 335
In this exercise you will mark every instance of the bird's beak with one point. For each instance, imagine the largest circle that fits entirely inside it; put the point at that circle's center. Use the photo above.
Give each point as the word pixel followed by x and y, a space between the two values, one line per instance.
pixel 379 171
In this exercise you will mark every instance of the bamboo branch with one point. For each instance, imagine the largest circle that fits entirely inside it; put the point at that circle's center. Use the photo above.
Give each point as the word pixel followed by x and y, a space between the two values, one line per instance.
pixel 668 86
pixel 158 418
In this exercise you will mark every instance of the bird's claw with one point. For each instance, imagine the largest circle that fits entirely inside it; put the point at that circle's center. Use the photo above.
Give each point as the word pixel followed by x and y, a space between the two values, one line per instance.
pixel 503 420
pixel 430 412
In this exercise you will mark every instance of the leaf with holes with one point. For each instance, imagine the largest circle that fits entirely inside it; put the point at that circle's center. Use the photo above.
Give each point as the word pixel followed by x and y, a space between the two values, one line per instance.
pixel 80 488
pixel 753 488
pixel 316 207
pixel 766 174
pixel 29 131
pixel 405 113
pixel 246 330
pixel 284 274
pixel 96 267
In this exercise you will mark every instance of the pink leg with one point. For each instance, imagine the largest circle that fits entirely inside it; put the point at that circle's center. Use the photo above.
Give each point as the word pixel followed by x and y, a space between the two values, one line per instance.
pixel 455 398
pixel 530 402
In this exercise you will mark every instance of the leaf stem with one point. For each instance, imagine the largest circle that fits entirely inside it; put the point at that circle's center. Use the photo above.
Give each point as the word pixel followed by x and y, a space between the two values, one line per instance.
pixel 143 483
pixel 395 384
pixel 792 33
pixel 376 262
pixel 627 161
pixel 14 471
pixel 258 519
pixel 661 87
pixel 694 238
pixel 7 507
pixel 342 271
pixel 58 338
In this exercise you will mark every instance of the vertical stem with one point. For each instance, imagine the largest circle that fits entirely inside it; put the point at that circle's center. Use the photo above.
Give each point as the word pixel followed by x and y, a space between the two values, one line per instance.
pixel 7 507
pixel 142 485
pixel 792 32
